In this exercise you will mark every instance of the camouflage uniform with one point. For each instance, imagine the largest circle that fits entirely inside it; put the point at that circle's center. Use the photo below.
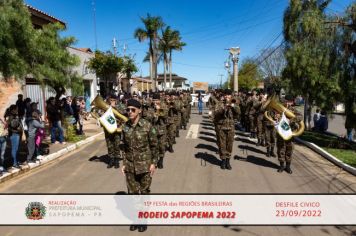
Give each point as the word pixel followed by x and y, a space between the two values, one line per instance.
pixel 260 125
pixel 113 145
pixel 225 127
pixel 270 136
pixel 184 112
pixel 159 123
pixel 178 115
pixel 141 150
pixel 285 147
pixel 254 104
pixel 171 128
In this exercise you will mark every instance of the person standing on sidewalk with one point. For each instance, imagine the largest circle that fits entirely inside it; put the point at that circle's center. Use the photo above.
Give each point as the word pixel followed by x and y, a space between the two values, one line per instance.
pixel 15 132
pixel 200 103
pixel 141 153
pixel 54 117
pixel 3 138
pixel 34 124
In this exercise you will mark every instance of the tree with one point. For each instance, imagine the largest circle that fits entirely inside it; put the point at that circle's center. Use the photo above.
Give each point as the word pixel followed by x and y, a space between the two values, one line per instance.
pixel 17 41
pixel 41 53
pixel 346 48
pixel 177 45
pixel 129 66
pixel 53 63
pixel 272 65
pixel 107 66
pixel 310 55
pixel 150 31
pixel 170 40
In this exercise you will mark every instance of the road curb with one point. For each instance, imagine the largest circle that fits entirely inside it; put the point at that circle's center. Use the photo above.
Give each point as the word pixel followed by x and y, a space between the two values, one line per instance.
pixel 46 159
pixel 328 156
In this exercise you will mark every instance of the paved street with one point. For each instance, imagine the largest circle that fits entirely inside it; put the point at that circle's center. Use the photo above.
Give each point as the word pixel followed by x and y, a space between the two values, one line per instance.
pixel 192 168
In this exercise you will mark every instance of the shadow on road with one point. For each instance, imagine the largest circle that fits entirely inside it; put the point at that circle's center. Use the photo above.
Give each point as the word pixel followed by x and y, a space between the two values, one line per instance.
pixel 213 140
pixel 207 133
pixel 207 124
pixel 252 149
pixel 104 158
pixel 258 161
pixel 242 134
pixel 207 147
pixel 209 128
pixel 245 140
pixel 208 158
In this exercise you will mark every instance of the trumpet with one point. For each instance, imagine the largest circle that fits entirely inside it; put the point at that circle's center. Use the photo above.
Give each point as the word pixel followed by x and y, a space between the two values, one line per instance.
pixel 98 105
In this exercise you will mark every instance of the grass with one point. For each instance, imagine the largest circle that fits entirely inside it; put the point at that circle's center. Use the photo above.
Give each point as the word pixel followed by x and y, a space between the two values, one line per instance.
pixel 341 149
pixel 346 156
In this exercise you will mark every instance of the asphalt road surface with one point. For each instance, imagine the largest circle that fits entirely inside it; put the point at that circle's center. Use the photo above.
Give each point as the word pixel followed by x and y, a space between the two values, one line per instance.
pixel 192 168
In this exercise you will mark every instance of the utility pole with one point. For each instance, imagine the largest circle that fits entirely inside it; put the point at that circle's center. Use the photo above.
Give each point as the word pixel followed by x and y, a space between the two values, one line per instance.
pixel 124 49
pixel 94 21
pixel 114 46
pixel 221 75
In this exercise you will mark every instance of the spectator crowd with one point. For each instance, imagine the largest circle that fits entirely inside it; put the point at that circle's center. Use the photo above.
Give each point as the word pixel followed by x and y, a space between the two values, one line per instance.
pixel 24 124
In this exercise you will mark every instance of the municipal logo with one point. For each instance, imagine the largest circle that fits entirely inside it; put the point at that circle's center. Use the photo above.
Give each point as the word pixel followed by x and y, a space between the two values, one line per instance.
pixel 35 211
pixel 111 120
pixel 285 126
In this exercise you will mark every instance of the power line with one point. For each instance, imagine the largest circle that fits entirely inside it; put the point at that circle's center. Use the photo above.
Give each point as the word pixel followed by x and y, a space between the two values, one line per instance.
pixel 200 66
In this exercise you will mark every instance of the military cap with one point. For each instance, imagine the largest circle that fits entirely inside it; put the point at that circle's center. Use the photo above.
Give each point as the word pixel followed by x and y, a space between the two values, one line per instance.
pixel 134 103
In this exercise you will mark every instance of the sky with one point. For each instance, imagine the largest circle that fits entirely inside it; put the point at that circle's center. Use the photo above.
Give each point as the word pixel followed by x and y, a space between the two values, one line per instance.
pixel 208 27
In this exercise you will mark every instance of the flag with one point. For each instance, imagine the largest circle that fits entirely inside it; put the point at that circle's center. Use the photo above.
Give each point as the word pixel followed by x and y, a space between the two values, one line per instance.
pixel 283 128
pixel 108 120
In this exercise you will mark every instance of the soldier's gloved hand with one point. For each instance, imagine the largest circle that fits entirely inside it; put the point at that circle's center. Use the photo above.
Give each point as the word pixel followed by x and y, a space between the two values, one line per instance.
pixel 123 170
pixel 152 169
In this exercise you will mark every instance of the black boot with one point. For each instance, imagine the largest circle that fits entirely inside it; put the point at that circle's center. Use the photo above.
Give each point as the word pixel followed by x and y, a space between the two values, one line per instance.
pixel 258 142
pixel 117 163
pixel 177 133
pixel 185 127
pixel 223 164
pixel 272 152
pixel 160 163
pixel 268 152
pixel 281 167
pixel 170 149
pixel 288 169
pixel 228 166
pixel 111 163
pixel 142 228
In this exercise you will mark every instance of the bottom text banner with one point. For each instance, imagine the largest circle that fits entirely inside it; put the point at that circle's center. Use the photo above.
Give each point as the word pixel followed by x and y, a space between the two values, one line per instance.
pixel 178 209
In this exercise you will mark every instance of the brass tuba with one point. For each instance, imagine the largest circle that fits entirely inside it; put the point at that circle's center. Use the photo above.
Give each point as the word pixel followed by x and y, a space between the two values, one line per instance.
pixel 273 104
pixel 99 104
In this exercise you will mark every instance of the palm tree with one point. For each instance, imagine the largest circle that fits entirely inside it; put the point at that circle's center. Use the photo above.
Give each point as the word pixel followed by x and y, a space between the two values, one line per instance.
pixel 178 45
pixel 167 41
pixel 152 25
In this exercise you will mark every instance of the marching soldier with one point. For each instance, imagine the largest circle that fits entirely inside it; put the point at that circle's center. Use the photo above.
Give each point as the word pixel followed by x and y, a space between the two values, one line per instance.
pixel 270 136
pixel 224 114
pixel 113 141
pixel 260 120
pixel 285 147
pixel 141 152
pixel 158 118
pixel 253 105
pixel 178 114
pixel 171 127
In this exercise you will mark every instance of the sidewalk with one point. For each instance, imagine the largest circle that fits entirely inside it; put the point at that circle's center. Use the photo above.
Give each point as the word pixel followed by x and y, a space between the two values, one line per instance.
pixel 90 128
